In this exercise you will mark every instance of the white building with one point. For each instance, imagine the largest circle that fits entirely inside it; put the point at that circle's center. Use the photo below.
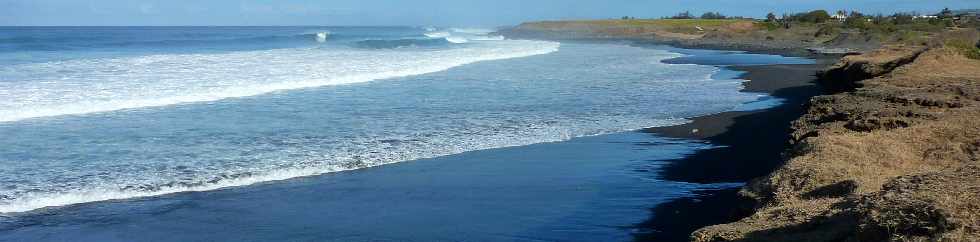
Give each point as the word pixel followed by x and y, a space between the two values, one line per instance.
pixel 840 18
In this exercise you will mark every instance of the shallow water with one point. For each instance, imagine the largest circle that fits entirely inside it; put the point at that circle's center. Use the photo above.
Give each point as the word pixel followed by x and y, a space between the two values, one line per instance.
pixel 586 189
pixel 106 121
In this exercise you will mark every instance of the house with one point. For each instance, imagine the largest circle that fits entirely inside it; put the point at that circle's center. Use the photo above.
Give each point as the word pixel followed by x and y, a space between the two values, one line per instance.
pixel 925 17
pixel 839 17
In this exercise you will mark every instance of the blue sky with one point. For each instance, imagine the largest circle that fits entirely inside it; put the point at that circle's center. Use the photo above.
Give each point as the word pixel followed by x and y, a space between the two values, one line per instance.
pixel 485 13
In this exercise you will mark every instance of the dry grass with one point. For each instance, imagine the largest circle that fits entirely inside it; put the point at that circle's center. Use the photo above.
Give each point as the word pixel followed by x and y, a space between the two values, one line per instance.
pixel 963 41
pixel 642 27
pixel 664 23
pixel 884 54
pixel 916 181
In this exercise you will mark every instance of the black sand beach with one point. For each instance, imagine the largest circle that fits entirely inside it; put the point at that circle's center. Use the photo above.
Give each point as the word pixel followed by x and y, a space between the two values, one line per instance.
pixel 597 188
pixel 751 146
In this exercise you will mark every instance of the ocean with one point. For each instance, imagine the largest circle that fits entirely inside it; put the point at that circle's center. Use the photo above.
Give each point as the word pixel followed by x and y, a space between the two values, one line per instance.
pixel 120 123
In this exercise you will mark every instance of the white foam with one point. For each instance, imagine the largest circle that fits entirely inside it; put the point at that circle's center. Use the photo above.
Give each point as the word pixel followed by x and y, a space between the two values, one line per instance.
pixel 42 200
pixel 457 40
pixel 488 38
pixel 631 88
pixel 474 31
pixel 535 134
pixel 100 85
pixel 436 35
pixel 322 37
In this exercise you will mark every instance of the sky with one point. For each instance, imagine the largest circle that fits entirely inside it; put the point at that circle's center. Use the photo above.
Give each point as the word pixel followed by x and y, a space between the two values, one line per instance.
pixel 476 13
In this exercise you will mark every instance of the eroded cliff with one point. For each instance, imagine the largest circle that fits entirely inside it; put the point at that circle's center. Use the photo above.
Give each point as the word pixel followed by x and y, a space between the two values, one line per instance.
pixel 893 156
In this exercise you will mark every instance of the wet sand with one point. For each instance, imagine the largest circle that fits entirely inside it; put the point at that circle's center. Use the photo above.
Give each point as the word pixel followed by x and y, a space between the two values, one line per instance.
pixel 585 189
pixel 751 143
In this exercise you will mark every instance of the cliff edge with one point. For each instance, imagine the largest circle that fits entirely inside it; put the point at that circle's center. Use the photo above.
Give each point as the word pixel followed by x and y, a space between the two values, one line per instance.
pixel 894 155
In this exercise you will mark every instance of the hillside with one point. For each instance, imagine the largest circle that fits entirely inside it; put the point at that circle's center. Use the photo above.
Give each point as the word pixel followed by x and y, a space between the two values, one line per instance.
pixel 741 34
pixel 894 156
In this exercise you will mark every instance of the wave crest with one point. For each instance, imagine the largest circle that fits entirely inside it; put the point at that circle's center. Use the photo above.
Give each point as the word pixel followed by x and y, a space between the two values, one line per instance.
pixel 437 34
pixel 457 40
pixel 99 85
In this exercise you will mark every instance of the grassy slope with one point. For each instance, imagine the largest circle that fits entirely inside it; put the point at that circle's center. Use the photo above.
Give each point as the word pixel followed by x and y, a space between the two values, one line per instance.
pixel 688 26
pixel 742 33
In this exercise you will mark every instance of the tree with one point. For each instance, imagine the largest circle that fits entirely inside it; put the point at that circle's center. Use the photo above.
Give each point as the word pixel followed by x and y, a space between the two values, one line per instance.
pixel 712 15
pixel 946 13
pixel 771 17
pixel 683 15
pixel 878 19
pixel 816 16
pixel 902 18
pixel 856 14
pixel 856 20
pixel 841 12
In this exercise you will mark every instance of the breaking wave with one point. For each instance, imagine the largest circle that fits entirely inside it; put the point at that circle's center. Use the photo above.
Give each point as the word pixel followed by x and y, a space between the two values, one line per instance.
pixel 402 43
pixel 437 34
pixel 99 85
pixel 457 40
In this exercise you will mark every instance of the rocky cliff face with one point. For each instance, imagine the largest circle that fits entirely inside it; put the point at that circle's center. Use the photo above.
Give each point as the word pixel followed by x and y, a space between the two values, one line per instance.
pixel 849 72
pixel 894 156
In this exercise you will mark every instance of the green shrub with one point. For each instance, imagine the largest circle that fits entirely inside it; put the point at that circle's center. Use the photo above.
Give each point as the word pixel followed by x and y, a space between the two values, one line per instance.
pixel 886 27
pixel 857 22
pixel 827 29
pixel 770 26
pixel 816 16
pixel 925 26
pixel 713 15
pixel 911 37
pixel 968 49
pixel 949 23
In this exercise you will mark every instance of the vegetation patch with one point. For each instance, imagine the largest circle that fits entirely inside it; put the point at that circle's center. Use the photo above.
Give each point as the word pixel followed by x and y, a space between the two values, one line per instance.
pixel 965 47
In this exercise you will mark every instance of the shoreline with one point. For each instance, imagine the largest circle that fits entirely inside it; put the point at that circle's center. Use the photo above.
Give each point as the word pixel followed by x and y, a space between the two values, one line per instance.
pixel 713 128
pixel 695 118
pixel 623 153
pixel 736 160
pixel 886 151
pixel 769 129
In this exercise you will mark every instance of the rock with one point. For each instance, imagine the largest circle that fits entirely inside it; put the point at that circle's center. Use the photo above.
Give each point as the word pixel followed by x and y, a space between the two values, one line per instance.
pixel 892 157
pixel 846 74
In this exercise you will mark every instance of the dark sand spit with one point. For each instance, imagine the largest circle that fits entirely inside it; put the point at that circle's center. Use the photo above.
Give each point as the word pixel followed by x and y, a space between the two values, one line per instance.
pixel 751 141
